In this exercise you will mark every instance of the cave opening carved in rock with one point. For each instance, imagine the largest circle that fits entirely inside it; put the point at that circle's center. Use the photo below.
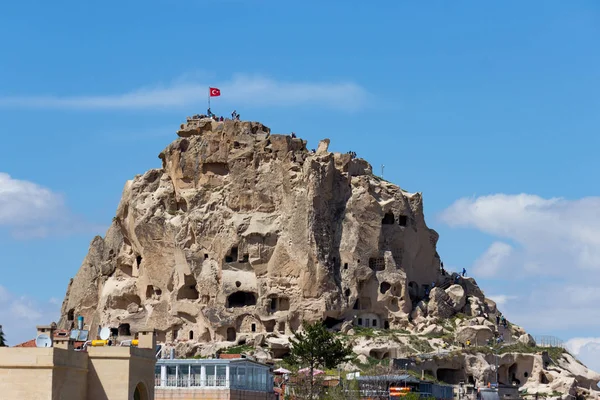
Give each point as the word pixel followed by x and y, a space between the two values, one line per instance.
pixel 384 287
pixel 330 322
pixel 413 290
pixel 231 334
pixel 377 263
pixel 388 219
pixel 188 290
pixel 232 256
pixel 280 304
pixel 241 299
pixel 450 376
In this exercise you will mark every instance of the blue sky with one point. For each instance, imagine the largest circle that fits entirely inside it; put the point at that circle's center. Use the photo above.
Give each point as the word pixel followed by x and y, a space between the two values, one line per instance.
pixel 490 110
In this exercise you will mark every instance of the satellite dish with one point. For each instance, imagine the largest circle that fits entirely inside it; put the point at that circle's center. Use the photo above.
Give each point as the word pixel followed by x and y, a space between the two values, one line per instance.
pixel 43 340
pixel 104 333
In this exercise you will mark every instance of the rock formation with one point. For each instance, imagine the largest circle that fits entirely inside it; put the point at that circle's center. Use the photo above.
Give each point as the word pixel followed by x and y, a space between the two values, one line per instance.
pixel 243 231
pixel 242 234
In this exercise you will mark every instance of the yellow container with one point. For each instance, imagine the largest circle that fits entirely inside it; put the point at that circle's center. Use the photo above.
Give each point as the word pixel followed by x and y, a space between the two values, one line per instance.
pixel 96 343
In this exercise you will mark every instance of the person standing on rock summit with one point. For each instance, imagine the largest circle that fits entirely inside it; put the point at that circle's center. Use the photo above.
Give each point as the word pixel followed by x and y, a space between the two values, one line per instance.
pixel 464 272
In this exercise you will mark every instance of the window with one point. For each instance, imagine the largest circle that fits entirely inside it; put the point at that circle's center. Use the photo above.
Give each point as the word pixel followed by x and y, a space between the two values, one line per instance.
pixel 359 321
pixel 241 376
pixel 221 375
pixel 377 263
pixel 402 220
pixel 241 299
pixel 232 256
pixel 232 375
pixel 124 330
pixel 253 327
pixel 374 323
pixel 388 219
pixel 210 375
pixel 231 334
pixel 157 373
pixel 191 335
pixel 345 265
pixel 195 375
pixel 171 375
pixel 206 256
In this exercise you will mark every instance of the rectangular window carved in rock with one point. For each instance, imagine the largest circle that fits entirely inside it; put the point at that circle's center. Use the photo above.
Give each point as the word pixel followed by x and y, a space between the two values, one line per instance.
pixel 377 263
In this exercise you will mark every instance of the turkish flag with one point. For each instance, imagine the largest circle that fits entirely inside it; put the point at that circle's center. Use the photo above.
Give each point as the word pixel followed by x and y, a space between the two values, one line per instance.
pixel 214 92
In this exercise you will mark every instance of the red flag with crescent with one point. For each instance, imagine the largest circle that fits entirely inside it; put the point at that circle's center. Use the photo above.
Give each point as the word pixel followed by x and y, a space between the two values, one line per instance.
pixel 214 92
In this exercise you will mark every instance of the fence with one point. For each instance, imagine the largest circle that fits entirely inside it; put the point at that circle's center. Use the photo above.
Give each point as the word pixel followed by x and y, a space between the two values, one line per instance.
pixel 189 381
pixel 549 341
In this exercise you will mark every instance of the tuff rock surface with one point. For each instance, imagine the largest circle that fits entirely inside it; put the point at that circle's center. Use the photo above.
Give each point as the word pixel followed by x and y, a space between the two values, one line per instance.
pixel 244 232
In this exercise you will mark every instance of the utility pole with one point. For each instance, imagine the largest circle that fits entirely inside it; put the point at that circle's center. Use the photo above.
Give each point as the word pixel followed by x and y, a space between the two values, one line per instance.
pixel 496 364
pixel 497 383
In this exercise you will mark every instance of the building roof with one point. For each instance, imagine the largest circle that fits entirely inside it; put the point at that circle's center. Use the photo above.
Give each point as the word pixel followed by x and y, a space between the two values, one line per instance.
pixel 59 333
pixel 209 361
pixel 390 378
pixel 29 343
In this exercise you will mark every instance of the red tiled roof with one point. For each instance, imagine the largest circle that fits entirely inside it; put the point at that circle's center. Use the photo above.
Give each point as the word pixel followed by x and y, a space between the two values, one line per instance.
pixel 57 333
pixel 229 356
pixel 29 343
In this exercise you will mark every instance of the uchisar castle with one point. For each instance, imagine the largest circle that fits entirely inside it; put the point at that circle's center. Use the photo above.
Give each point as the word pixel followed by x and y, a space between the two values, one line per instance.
pixel 241 235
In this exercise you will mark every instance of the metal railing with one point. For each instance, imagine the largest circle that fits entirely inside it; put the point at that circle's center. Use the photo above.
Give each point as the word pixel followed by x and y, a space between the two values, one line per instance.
pixel 189 381
pixel 549 341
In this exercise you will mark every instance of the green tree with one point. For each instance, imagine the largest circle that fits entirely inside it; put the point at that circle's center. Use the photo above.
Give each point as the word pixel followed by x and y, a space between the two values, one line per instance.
pixel 317 347
pixel 2 339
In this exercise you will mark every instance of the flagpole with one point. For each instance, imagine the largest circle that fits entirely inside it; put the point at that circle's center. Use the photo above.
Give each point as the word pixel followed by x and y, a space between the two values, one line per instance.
pixel 209 99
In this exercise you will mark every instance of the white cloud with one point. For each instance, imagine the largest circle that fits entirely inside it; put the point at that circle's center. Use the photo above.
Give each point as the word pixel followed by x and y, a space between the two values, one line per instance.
pixel 20 315
pixel 587 350
pixel 556 305
pixel 501 299
pixel 239 91
pixel 551 233
pixel 25 203
pixel 490 262
pixel 32 211
pixel 576 345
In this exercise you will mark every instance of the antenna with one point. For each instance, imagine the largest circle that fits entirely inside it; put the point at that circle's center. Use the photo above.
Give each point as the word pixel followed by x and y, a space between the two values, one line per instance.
pixel 382 167
pixel 104 333
pixel 43 340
